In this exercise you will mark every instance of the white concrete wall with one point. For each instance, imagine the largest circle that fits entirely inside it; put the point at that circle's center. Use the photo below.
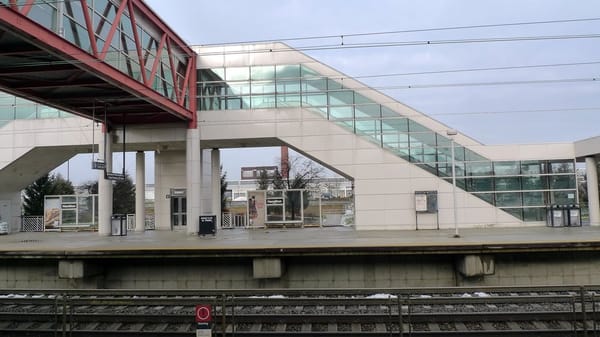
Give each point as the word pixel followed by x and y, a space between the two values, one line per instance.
pixel 169 172
pixel 384 184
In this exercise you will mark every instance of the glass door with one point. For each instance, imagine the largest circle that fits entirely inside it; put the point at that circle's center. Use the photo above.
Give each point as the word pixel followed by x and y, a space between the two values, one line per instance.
pixel 178 211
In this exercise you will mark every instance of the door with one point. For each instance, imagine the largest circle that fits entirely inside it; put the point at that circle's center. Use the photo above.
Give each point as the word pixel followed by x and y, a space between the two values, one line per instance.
pixel 178 211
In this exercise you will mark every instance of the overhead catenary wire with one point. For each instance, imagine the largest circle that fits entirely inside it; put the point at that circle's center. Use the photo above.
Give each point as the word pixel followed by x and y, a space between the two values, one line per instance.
pixel 341 36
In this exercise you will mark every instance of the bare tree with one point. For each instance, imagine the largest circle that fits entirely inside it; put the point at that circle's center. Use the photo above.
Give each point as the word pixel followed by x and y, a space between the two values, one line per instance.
pixel 302 174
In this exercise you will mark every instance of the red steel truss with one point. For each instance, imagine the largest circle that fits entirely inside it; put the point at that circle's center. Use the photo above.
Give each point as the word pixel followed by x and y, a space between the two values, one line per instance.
pixel 157 84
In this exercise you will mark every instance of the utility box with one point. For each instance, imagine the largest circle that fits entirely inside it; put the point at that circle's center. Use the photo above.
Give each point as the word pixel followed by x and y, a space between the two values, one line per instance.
pixel 208 225
pixel 118 225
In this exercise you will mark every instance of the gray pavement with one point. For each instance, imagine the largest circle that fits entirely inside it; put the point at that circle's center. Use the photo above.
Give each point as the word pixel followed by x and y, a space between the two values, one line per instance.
pixel 307 238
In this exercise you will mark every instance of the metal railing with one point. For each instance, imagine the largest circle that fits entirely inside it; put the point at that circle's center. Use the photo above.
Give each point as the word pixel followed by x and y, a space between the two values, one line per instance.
pixel 233 220
pixel 32 223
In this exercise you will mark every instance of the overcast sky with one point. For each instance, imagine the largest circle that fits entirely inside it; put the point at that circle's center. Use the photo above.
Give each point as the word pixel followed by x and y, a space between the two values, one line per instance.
pixel 492 106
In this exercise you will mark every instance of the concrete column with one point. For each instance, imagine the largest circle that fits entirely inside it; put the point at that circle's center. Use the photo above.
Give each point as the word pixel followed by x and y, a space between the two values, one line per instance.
pixel 140 191
pixel 105 186
pixel 215 161
pixel 592 189
pixel 193 164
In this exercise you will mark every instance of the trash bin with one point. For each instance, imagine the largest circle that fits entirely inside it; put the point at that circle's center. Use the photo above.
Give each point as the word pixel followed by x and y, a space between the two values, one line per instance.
pixel 208 225
pixel 118 225
pixel 3 227
pixel 555 216
pixel 574 215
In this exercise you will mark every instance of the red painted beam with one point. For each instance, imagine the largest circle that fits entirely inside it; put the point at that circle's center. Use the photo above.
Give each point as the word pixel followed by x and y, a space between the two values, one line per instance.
pixel 47 40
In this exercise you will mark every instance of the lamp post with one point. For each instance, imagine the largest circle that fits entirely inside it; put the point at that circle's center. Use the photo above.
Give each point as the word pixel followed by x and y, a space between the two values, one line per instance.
pixel 451 133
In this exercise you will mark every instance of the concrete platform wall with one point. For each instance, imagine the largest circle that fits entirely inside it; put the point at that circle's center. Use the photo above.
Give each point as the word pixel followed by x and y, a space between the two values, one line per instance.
pixel 308 272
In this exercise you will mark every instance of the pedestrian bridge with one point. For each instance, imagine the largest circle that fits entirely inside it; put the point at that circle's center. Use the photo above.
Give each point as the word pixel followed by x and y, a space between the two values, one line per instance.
pixel 112 61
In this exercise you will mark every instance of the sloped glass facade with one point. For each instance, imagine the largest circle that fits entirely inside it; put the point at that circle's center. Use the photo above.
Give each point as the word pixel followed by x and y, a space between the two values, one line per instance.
pixel 521 188
pixel 12 108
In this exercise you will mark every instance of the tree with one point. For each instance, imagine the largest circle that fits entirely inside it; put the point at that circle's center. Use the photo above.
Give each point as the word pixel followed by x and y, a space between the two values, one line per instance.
pixel 263 181
pixel 124 196
pixel 33 199
pixel 61 186
pixel 34 194
pixel 302 173
pixel 223 189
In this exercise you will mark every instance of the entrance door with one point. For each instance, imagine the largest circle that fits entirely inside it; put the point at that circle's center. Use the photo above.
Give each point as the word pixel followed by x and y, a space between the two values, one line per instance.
pixel 178 211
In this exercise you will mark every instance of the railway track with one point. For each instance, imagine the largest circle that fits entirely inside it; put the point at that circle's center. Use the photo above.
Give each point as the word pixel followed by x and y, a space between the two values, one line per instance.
pixel 548 311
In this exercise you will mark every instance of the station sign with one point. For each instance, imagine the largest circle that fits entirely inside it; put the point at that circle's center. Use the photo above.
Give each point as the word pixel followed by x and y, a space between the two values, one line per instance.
pixel 98 165
pixel 114 176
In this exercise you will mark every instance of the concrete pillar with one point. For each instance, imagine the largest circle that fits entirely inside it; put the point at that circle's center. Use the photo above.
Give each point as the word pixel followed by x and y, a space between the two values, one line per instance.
pixel 105 186
pixel 592 189
pixel 215 160
pixel 193 164
pixel 140 191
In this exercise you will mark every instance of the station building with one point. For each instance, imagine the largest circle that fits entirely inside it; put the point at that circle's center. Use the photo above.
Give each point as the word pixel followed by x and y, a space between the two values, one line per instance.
pixel 272 95
pixel 408 170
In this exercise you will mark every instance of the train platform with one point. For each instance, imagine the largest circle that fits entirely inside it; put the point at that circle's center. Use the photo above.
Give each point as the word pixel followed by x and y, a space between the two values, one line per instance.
pixel 301 241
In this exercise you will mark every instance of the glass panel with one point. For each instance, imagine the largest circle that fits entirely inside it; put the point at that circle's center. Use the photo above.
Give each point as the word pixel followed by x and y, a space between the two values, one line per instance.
pixel 387 112
pixel 487 197
pixel 25 109
pixel 314 99
pixel 461 183
pixel 237 74
pixel 288 86
pixel 562 166
pixel 307 72
pixel 289 100
pixel 44 14
pixel 445 168
pixel 397 124
pixel 287 71
pixel 534 183
pixel 333 85
pixel 508 199
pixel 564 197
pixel 508 184
pixel 216 74
pixel 263 101
pixel 360 99
pixel 370 128
pixel 341 97
pixel 422 139
pixel 69 216
pixel 516 212
pixel 367 111
pixel 531 167
pixel 534 214
pixel 266 87
pixel 503 168
pixel 238 88
pixel 262 73
pixel 416 127
pixel 396 141
pixel 314 85
pixel 562 182
pixel 472 156
pixel 341 112
pixel 533 199
pixel 479 184
pixel 235 103
pixel 478 169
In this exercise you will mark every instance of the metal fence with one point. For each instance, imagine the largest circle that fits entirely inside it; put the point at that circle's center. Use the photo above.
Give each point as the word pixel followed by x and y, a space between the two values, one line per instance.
pixel 233 220
pixel 32 223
